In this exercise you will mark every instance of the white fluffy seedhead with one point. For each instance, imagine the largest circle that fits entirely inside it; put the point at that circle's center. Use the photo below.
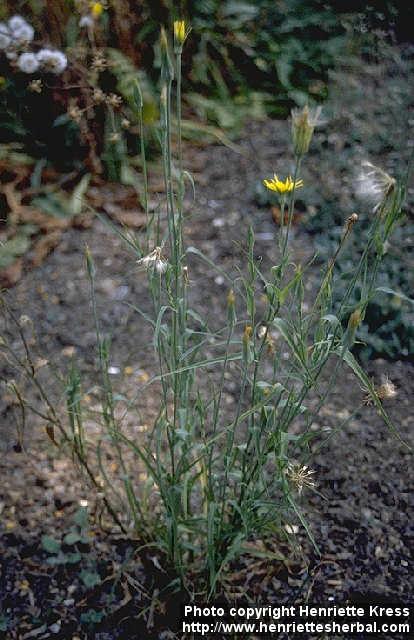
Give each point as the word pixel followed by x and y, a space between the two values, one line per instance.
pixel 28 63
pixel 17 22
pixel 373 184
pixel 23 35
pixel 52 61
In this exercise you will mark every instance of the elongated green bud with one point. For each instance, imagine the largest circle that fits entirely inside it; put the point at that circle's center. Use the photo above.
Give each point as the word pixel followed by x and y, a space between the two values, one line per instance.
pixel 167 69
pixel 89 263
pixel 139 101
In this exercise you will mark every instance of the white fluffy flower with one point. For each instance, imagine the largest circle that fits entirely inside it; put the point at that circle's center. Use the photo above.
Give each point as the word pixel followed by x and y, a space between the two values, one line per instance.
pixel 28 63
pixel 17 22
pixel 52 61
pixel 373 184
pixel 5 39
pixel 11 55
pixel 23 34
pixel 86 22
pixel 60 62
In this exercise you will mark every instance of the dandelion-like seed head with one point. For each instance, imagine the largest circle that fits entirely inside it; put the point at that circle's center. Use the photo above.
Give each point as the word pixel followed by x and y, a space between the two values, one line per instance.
pixel 11 55
pixel 23 35
pixel 52 61
pixel 16 22
pixel 304 122
pixel 281 187
pixel 374 184
pixel 86 22
pixel 28 63
pixel 300 476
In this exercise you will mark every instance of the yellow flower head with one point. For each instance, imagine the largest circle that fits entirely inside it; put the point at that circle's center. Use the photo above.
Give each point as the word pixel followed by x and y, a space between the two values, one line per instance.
pixel 97 9
pixel 274 184
pixel 181 31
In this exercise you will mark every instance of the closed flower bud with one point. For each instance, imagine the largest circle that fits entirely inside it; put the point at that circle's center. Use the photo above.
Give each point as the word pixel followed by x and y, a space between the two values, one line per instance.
pixel 167 69
pixel 247 334
pixel 181 31
pixel 304 122
pixel 355 320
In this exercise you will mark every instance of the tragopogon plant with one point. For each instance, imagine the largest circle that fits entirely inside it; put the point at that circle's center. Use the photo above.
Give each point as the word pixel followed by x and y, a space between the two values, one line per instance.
pixel 216 478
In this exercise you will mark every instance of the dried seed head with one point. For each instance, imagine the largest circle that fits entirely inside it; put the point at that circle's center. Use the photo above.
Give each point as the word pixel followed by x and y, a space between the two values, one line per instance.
pixel 99 62
pixel 353 218
pixel 387 390
pixel 35 86
pixel 113 100
pixel 300 476
pixel 156 260
pixel 161 266
pixel 75 113
pixel 98 96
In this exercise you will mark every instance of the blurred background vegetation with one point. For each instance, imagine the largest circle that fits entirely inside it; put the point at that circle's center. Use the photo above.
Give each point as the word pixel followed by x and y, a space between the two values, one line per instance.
pixel 244 60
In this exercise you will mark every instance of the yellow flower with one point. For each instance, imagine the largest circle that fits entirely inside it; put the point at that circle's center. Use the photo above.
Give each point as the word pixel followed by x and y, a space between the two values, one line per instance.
pixel 97 9
pixel 274 184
